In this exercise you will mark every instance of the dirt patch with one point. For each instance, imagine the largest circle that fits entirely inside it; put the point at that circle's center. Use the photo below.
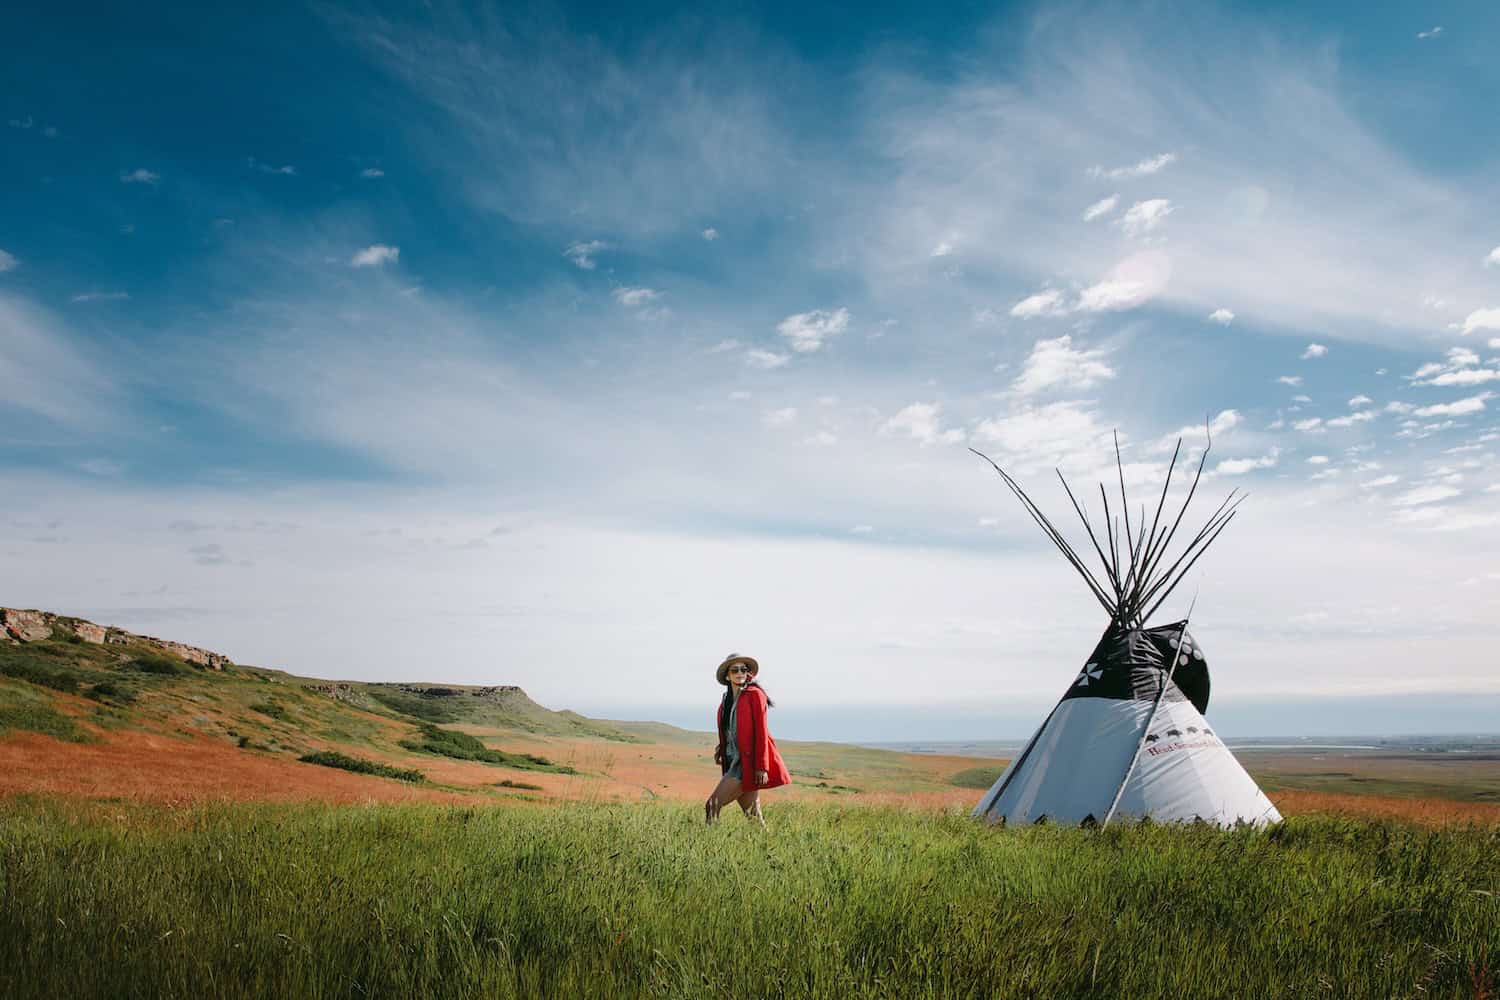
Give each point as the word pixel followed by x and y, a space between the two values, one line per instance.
pixel 1430 812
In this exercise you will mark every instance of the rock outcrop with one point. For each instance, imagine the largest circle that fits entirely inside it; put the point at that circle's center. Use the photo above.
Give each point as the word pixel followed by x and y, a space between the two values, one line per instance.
pixel 35 626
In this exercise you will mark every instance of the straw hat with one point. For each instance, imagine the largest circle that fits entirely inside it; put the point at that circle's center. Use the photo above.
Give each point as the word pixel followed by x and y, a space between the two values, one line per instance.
pixel 731 660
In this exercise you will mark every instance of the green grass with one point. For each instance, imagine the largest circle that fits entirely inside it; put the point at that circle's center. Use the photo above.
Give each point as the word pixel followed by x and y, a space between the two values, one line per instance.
pixel 976 777
pixel 274 710
pixel 332 758
pixel 25 708
pixel 462 746
pixel 414 705
pixel 643 901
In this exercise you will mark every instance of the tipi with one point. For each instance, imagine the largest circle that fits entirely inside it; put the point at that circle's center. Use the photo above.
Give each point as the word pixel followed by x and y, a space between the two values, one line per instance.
pixel 1128 738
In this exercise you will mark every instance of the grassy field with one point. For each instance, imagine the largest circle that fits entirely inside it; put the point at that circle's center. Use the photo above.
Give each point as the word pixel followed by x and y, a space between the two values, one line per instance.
pixel 121 900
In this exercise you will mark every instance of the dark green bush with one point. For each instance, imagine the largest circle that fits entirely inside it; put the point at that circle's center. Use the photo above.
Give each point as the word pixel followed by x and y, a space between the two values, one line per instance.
pixel 270 708
pixel 56 678
pixel 462 746
pixel 157 663
pixel 111 691
pixel 332 758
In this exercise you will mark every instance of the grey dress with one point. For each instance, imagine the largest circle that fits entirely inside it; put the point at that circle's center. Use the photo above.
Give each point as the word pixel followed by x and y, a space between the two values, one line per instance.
pixel 733 766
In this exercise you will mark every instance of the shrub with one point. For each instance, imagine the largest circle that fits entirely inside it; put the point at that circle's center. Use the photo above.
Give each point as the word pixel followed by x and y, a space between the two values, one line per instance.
pixel 525 785
pixel 462 746
pixel 332 758
pixel 109 690
pixel 270 708
pixel 157 663
pixel 56 678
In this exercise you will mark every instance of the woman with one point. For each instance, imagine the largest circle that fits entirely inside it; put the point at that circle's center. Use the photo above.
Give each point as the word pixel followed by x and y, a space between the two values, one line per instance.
pixel 746 753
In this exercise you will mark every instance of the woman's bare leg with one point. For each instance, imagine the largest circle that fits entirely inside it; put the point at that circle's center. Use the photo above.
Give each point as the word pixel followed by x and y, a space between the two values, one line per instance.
pixel 727 791
pixel 750 803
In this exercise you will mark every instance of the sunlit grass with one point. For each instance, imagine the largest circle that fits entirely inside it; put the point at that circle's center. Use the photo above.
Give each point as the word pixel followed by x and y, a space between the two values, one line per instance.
pixel 605 900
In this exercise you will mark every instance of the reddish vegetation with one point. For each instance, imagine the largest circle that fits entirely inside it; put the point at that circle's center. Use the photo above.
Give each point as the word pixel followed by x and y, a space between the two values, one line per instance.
pixel 1432 812
pixel 156 768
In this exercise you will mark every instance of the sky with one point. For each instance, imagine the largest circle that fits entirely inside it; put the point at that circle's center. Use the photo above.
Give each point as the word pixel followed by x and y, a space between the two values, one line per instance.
pixel 579 348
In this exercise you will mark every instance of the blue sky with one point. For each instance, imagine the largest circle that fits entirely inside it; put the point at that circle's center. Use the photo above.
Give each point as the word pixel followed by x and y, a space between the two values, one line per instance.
pixel 577 348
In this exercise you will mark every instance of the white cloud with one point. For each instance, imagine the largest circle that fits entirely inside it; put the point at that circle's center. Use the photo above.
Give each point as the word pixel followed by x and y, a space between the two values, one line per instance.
pixel 1317 460
pixel 1240 466
pixel 1048 302
pixel 822 439
pixel 1291 380
pixel 101 297
pixel 943 249
pixel 1360 400
pixel 1482 319
pixel 1045 436
pixel 1314 351
pixel 1375 484
pixel 1424 495
pixel 1144 216
pixel 1465 376
pixel 1111 295
pixel 766 359
pixel 1363 416
pixel 634 297
pixel 808 330
pixel 1432 32
pixel 710 234
pixel 1056 362
pixel 724 345
pixel 1493 257
pixel 370 173
pixel 140 175
pixel 780 418
pixel 286 170
pixel 1222 316
pixel 1312 425
pixel 1396 406
pixel 8 262
pixel 1459 408
pixel 1225 421
pixel 1142 169
pixel 582 253
pixel 1494 341
pixel 923 422
pixel 862 529
pixel 1101 207
pixel 375 255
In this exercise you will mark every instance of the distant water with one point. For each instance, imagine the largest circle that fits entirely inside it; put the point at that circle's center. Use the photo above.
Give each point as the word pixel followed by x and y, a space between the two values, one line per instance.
pixel 955 748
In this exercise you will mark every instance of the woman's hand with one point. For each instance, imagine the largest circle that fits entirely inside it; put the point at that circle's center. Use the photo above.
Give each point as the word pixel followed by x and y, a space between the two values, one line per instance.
pixel 761 777
pixel 719 757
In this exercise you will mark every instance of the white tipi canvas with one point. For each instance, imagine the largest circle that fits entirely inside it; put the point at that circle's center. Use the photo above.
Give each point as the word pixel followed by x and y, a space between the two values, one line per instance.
pixel 1116 720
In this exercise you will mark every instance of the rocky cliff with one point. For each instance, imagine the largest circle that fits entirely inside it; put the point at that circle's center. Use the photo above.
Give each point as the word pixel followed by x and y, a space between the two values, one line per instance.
pixel 21 625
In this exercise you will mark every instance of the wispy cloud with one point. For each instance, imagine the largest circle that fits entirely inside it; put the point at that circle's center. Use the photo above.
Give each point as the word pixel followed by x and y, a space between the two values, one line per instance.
pixel 8 262
pixel 1432 32
pixel 766 360
pixel 808 331
pixel 1222 316
pixel 1458 408
pixel 1314 351
pixel 1101 207
pixel 375 255
pixel 101 297
pixel 1492 259
pixel 371 173
pixel 1291 380
pixel 1360 400
pixel 582 253
pixel 140 175
pixel 1144 168
pixel 1145 216
pixel 634 297
pixel 286 170
pixel 1241 466
pixel 1048 302
pixel 710 234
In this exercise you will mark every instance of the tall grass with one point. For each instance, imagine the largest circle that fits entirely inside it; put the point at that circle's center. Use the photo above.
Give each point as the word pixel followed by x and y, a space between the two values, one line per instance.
pixel 605 901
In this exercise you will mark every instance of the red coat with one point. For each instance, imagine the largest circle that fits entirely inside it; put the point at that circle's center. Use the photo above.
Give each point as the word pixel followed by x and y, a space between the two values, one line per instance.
pixel 757 749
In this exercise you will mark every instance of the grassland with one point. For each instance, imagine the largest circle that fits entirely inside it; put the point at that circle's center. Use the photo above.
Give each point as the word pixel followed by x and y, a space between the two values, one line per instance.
pixel 641 900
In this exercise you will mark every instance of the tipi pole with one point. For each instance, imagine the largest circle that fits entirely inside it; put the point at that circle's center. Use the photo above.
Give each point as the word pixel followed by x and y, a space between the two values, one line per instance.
pixel 1150 719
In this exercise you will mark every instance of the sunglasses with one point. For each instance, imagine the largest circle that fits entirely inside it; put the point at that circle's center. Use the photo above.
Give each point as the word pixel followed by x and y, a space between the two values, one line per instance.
pixel 738 670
